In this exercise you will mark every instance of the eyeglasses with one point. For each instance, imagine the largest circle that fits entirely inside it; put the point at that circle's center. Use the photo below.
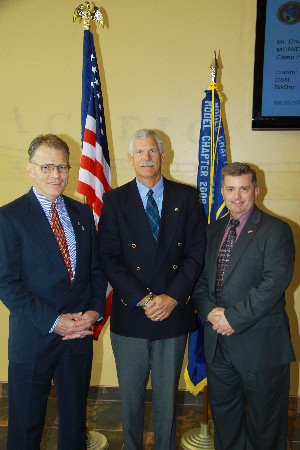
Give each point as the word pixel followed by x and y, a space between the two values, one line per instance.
pixel 48 168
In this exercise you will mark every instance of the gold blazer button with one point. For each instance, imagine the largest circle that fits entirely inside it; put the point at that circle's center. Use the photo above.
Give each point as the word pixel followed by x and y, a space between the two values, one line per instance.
pixel 138 268
pixel 133 245
pixel 175 266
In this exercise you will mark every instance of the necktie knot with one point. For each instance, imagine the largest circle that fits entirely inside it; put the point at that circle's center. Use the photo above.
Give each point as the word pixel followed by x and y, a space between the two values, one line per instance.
pixel 234 223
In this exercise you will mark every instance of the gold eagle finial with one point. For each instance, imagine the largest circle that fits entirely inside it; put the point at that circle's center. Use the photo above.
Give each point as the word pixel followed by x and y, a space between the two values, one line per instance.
pixel 87 15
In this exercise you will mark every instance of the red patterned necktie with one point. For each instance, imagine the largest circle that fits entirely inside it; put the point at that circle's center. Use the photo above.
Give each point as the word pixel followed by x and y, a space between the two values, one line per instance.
pixel 59 233
pixel 224 256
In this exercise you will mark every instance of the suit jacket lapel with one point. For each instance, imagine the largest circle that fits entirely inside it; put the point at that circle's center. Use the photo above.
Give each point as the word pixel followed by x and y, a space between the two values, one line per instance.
pixel 74 215
pixel 244 239
pixel 171 211
pixel 136 218
pixel 215 242
pixel 42 231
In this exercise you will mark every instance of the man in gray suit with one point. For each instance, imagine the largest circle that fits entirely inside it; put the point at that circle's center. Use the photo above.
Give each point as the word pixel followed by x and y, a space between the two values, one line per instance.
pixel 247 340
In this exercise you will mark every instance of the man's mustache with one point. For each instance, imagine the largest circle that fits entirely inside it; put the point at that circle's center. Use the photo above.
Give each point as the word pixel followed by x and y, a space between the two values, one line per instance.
pixel 146 164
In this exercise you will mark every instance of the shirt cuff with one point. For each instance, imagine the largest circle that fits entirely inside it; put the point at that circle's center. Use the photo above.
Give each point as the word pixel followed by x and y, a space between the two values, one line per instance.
pixel 54 325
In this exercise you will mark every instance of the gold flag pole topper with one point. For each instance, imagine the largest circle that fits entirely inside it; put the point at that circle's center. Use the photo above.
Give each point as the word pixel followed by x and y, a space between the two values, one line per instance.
pixel 94 439
pixel 87 15
pixel 201 438
pixel 214 68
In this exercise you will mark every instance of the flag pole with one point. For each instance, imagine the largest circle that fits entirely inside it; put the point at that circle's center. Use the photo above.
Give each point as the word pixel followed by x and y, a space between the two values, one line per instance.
pixel 201 438
pixel 94 439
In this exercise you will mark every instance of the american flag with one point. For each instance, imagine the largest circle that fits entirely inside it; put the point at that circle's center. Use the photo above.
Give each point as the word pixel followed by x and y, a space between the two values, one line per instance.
pixel 94 174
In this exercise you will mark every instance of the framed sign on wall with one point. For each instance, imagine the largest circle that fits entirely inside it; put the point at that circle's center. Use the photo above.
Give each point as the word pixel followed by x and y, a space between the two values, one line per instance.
pixel 276 89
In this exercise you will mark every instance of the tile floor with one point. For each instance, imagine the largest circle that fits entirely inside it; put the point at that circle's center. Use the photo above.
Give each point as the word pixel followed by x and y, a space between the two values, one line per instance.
pixel 103 415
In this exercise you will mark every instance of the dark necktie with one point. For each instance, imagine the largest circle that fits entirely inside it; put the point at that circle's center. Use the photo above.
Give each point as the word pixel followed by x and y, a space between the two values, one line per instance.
pixel 59 233
pixel 152 214
pixel 224 256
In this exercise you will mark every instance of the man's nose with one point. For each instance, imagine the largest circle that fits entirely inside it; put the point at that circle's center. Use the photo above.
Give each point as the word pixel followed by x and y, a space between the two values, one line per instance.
pixel 55 172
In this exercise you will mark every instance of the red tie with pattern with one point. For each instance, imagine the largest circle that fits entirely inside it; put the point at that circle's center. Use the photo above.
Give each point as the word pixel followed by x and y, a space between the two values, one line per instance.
pixel 59 233
pixel 224 256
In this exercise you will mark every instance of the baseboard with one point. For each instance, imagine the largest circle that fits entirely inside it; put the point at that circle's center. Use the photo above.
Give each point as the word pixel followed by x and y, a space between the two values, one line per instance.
pixel 110 393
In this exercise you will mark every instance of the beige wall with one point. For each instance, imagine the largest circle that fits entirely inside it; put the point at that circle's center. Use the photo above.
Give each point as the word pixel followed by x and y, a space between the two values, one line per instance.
pixel 154 60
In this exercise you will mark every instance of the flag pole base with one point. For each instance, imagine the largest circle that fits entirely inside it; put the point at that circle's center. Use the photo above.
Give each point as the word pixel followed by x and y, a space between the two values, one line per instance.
pixel 96 441
pixel 198 438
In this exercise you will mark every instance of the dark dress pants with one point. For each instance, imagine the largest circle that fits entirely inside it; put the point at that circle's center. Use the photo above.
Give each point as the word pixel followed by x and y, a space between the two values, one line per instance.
pixel 262 424
pixel 135 359
pixel 28 389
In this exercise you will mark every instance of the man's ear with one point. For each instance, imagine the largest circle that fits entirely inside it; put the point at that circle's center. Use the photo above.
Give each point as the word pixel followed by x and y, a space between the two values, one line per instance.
pixel 30 170
pixel 130 158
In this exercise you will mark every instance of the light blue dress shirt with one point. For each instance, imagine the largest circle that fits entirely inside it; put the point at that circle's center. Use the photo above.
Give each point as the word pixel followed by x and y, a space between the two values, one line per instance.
pixel 158 193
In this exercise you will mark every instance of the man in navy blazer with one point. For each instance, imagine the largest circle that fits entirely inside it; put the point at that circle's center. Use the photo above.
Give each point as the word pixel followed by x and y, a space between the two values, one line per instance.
pixel 152 281
pixel 247 339
pixel 51 311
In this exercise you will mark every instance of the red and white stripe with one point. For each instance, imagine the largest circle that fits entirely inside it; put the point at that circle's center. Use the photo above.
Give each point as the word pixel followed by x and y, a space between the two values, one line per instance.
pixel 94 174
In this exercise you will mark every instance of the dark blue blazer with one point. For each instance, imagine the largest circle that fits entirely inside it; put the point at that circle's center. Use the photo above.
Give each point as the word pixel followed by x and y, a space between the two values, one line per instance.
pixel 34 283
pixel 253 292
pixel 135 266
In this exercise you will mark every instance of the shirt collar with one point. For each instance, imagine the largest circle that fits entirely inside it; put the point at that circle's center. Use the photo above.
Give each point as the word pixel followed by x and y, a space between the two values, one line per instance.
pixel 41 198
pixel 243 219
pixel 157 189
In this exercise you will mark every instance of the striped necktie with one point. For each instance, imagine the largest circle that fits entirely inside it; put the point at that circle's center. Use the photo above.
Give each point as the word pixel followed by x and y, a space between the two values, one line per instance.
pixel 153 214
pixel 59 233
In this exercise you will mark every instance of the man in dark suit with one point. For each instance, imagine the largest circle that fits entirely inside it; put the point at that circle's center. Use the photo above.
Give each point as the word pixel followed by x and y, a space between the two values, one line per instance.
pixel 247 340
pixel 152 259
pixel 54 300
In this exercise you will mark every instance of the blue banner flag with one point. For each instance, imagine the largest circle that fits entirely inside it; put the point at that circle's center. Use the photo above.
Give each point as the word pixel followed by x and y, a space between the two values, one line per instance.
pixel 212 158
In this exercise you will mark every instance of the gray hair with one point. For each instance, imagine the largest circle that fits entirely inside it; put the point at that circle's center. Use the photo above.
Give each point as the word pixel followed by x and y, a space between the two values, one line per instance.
pixel 143 134
pixel 236 169
pixel 51 141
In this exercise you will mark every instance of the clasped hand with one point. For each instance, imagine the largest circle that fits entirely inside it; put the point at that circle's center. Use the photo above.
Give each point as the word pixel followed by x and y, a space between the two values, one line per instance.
pixel 76 325
pixel 219 322
pixel 160 307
